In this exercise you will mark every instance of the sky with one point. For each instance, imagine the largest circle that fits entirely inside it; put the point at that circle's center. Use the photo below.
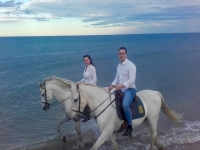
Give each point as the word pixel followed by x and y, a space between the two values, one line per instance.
pixel 95 17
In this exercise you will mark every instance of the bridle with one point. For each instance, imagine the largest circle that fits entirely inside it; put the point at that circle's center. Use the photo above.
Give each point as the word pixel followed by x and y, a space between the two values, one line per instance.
pixel 45 95
pixel 89 112
pixel 79 104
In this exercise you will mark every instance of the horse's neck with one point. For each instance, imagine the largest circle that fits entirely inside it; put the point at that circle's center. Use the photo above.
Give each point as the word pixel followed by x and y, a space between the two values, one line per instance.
pixel 100 100
pixel 60 92
pixel 96 96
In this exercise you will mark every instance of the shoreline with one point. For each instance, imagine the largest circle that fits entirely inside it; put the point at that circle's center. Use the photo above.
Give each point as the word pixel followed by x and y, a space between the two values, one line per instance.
pixel 60 145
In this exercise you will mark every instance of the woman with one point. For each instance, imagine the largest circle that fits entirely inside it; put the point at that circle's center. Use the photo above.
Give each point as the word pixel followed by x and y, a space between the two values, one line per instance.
pixel 89 76
pixel 89 73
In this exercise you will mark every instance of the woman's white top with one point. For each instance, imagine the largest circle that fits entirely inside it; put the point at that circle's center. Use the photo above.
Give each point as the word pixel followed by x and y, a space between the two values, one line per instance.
pixel 89 75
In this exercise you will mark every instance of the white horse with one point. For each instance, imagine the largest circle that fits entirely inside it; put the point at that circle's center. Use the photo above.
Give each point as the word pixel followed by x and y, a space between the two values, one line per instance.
pixel 61 90
pixel 102 108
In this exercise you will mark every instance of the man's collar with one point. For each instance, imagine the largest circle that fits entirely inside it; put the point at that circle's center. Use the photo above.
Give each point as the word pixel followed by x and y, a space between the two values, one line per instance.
pixel 125 61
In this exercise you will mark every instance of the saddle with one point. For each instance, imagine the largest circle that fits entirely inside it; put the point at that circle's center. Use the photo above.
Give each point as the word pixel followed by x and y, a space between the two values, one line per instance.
pixel 137 109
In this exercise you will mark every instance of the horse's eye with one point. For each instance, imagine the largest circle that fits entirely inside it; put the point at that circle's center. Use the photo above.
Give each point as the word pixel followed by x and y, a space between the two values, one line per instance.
pixel 42 95
pixel 75 100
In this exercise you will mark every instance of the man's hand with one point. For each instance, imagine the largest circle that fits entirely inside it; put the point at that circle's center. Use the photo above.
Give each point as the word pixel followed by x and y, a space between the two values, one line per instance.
pixel 119 86
pixel 110 87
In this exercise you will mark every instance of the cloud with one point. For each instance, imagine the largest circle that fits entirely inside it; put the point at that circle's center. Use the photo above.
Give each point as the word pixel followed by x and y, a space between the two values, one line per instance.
pixel 109 11
pixel 7 4
pixel 40 19
pixel 10 3
pixel 27 11
pixel 143 14
pixel 18 3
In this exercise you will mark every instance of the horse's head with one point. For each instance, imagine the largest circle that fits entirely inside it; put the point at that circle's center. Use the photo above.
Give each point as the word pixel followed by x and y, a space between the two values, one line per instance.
pixel 79 102
pixel 46 96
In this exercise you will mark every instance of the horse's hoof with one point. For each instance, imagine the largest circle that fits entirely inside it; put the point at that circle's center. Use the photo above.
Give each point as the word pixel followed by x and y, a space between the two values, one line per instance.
pixel 64 139
pixel 162 148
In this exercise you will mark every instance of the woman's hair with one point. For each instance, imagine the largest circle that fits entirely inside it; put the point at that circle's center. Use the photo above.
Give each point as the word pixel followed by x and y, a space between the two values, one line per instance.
pixel 88 56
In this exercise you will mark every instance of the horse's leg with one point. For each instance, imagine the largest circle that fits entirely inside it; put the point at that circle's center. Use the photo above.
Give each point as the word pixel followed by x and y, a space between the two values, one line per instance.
pixel 77 127
pixel 113 139
pixel 62 120
pixel 78 130
pixel 159 146
pixel 103 137
pixel 146 121
pixel 152 123
pixel 153 135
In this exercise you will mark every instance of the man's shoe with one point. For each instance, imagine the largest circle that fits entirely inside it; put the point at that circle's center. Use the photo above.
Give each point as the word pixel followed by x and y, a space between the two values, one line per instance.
pixel 128 132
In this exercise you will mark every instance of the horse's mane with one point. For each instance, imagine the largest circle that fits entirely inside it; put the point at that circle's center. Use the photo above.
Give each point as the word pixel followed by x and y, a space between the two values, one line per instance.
pixel 69 83
pixel 64 81
pixel 103 88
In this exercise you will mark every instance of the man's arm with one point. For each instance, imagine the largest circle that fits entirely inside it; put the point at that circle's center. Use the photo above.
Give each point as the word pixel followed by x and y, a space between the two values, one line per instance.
pixel 132 76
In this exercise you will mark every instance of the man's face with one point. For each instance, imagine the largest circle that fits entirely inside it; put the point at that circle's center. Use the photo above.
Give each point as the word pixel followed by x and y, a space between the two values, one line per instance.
pixel 122 55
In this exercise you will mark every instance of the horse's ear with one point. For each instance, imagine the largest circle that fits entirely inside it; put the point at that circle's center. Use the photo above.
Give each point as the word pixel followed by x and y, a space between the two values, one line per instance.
pixel 40 84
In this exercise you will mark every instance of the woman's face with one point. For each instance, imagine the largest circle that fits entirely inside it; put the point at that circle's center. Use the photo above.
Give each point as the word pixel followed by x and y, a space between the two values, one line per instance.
pixel 86 61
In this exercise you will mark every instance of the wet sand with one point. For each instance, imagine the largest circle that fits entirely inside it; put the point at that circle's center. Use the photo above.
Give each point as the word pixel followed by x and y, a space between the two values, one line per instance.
pixel 57 144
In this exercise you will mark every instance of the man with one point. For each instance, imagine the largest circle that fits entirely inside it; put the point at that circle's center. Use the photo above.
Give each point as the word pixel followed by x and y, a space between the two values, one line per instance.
pixel 125 81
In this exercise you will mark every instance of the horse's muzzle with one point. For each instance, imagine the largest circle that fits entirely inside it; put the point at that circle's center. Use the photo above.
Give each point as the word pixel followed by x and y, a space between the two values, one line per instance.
pixel 76 118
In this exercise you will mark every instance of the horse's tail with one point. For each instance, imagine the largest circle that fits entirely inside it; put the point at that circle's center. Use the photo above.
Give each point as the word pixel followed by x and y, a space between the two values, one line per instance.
pixel 171 114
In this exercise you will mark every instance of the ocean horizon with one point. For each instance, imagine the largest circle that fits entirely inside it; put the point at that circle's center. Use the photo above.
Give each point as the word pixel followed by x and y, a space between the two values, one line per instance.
pixel 100 34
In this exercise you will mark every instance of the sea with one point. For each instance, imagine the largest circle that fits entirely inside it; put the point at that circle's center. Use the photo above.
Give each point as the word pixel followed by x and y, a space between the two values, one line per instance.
pixel 168 63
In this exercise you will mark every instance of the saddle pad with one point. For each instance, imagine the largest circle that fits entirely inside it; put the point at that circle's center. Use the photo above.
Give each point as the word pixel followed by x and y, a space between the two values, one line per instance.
pixel 137 109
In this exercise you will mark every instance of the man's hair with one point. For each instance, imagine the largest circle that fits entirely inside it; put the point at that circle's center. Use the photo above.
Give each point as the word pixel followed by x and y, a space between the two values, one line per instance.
pixel 122 48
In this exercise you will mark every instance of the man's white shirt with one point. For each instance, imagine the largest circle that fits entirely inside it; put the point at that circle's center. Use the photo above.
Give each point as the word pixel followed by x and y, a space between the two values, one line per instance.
pixel 126 75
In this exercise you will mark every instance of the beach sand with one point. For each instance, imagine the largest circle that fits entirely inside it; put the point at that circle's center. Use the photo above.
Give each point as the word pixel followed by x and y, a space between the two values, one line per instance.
pixel 57 144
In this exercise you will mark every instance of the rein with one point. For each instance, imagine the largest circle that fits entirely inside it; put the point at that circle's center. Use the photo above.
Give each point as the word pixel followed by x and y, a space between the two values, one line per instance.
pixel 104 108
pixel 57 102
pixel 88 113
